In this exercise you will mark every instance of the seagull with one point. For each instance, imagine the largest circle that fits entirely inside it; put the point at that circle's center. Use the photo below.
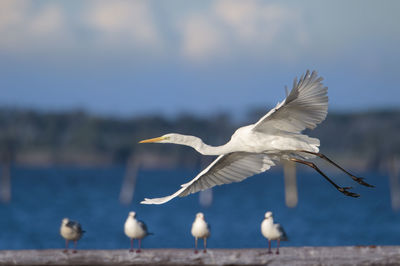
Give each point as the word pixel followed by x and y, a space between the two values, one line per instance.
pixel 135 229
pixel 272 231
pixel 200 229
pixel 71 230
pixel 277 137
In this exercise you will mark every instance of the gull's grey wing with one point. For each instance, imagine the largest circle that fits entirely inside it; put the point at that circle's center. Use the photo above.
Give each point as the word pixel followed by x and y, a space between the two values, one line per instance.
pixel 305 107
pixel 283 236
pixel 75 226
pixel 144 227
pixel 228 168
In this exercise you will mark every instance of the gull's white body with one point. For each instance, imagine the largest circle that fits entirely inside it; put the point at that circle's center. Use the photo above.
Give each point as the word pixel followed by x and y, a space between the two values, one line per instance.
pixel 70 230
pixel 200 228
pixel 255 148
pixel 133 228
pixel 270 230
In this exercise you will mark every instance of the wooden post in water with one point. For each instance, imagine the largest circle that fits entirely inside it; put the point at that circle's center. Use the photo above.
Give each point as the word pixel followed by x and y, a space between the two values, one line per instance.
pixel 394 179
pixel 129 183
pixel 5 185
pixel 289 173
pixel 5 180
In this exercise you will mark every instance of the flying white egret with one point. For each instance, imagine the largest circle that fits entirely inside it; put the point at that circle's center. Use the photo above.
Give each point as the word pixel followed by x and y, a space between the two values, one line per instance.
pixel 253 149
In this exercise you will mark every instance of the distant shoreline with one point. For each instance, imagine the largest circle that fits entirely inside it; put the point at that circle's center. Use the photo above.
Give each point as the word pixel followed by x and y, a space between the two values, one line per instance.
pixel 360 141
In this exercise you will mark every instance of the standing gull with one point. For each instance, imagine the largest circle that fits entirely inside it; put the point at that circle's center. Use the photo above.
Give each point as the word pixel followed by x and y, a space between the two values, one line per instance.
pixel 71 230
pixel 200 229
pixel 135 229
pixel 272 231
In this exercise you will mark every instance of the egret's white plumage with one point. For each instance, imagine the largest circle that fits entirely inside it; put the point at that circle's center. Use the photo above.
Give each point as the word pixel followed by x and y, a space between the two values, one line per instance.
pixel 272 231
pixel 255 148
pixel 135 229
pixel 70 231
pixel 200 229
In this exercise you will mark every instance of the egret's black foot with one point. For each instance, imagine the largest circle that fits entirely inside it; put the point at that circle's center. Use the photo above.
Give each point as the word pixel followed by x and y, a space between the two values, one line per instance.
pixel 138 251
pixel 196 251
pixel 269 252
pixel 360 180
pixel 205 251
pixel 65 250
pixel 345 191
pixel 277 252
pixel 131 250
pixel 75 251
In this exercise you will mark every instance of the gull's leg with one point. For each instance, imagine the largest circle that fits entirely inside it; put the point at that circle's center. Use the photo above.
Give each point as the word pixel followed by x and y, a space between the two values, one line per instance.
pixel 131 250
pixel 140 243
pixel 195 245
pixel 277 250
pixel 323 156
pixel 341 189
pixel 75 244
pixel 205 244
pixel 66 246
pixel 269 247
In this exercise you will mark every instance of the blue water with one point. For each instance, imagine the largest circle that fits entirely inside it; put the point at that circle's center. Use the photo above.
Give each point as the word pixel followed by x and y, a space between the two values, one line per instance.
pixel 41 197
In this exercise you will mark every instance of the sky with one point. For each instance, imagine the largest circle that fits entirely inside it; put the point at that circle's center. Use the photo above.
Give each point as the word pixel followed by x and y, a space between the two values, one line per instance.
pixel 133 58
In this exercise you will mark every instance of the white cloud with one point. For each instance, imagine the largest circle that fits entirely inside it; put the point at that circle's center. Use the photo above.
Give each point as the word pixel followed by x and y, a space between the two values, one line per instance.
pixel 24 28
pixel 201 39
pixel 48 21
pixel 203 32
pixel 221 29
pixel 255 21
pixel 12 12
pixel 234 27
pixel 124 19
pixel 29 27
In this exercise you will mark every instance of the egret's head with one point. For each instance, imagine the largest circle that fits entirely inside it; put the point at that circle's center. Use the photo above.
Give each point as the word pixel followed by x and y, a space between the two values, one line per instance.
pixel 65 221
pixel 132 214
pixel 268 215
pixel 172 138
pixel 167 138
pixel 200 215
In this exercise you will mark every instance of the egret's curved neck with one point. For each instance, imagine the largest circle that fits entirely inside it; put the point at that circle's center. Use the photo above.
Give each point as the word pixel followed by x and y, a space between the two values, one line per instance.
pixel 197 144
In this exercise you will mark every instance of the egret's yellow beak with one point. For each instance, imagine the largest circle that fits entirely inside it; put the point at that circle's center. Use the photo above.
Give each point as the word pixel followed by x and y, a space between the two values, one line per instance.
pixel 152 140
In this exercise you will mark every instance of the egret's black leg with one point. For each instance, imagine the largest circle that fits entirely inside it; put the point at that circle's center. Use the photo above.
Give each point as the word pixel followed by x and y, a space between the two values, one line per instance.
pixel 323 156
pixel 344 190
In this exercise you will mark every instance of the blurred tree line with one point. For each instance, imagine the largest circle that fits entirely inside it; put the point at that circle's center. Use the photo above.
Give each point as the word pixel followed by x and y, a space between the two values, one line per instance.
pixel 364 139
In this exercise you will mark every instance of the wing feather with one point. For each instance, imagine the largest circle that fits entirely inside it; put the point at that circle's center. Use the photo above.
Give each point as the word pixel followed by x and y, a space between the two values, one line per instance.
pixel 227 168
pixel 305 107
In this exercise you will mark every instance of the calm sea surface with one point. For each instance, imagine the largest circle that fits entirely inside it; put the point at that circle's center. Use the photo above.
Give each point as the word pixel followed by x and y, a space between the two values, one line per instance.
pixel 41 197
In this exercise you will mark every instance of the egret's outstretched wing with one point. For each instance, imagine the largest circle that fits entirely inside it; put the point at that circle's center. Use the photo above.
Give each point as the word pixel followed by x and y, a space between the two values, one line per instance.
pixel 228 168
pixel 305 107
